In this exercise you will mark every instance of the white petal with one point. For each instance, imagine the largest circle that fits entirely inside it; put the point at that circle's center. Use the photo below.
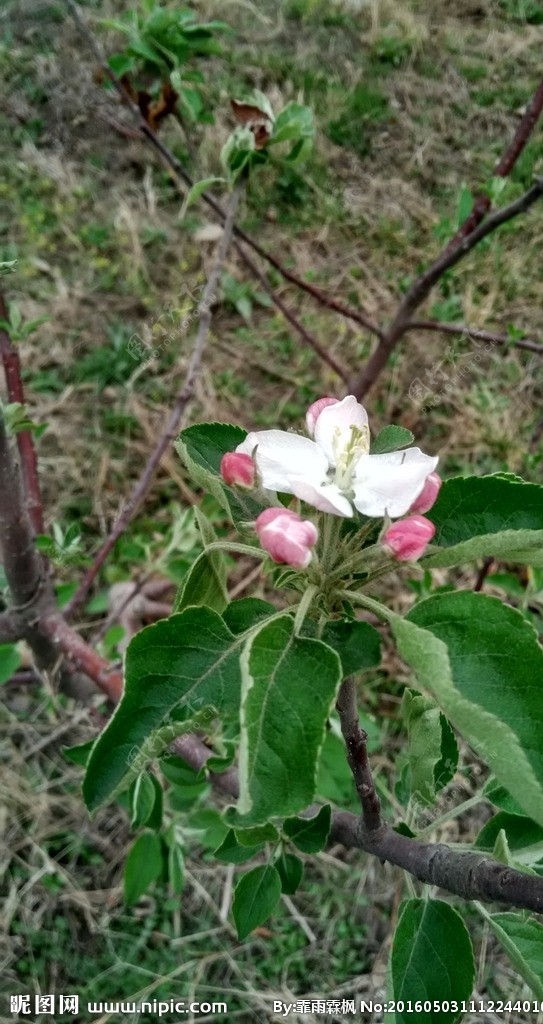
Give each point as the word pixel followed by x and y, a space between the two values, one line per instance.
pixel 333 427
pixel 280 455
pixel 325 497
pixel 389 484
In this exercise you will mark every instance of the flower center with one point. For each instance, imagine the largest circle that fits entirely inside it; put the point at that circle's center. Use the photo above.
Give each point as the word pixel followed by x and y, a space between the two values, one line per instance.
pixel 347 455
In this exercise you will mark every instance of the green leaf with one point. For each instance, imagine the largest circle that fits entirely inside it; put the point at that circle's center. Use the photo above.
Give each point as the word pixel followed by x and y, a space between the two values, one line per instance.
pixel 432 959
pixel 205 583
pixel 198 190
pixel 247 612
pixel 142 799
pixel 294 123
pixel 390 439
pixel 258 834
pixel 491 515
pixel 143 866
pixel 289 686
pixel 482 662
pixel 433 752
pixel 173 841
pixel 291 872
pixel 500 797
pixel 522 940
pixel 357 643
pixel 10 659
pixel 189 662
pixel 524 836
pixel 201 448
pixel 310 835
pixel 233 852
pixel 80 753
pixel 255 898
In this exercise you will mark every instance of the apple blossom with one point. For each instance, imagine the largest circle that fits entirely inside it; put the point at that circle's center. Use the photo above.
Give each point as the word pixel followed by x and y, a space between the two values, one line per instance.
pixel 407 540
pixel 335 471
pixel 428 495
pixel 286 536
pixel 238 470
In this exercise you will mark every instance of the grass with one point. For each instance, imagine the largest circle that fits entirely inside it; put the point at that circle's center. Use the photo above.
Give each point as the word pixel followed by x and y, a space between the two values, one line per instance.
pixel 414 103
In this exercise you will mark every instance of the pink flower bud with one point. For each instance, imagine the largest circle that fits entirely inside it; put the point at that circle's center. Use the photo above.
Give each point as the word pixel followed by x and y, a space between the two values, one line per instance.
pixel 428 494
pixel 315 410
pixel 286 536
pixel 407 539
pixel 238 470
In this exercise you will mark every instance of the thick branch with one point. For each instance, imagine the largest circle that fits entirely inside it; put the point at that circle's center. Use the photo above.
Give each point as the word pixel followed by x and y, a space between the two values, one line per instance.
pixel 475 333
pixel 25 441
pixel 179 172
pixel 422 286
pixel 171 428
pixel 357 755
pixel 471 876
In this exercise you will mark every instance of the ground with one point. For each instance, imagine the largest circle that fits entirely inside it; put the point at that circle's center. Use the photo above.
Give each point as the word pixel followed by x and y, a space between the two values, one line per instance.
pixel 414 103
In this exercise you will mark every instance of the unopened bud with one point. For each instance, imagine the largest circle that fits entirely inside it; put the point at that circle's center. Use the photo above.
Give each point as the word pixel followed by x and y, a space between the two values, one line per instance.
pixel 286 537
pixel 238 470
pixel 407 539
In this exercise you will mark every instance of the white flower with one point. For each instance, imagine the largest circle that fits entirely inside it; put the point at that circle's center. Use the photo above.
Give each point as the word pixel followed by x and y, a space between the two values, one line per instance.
pixel 335 471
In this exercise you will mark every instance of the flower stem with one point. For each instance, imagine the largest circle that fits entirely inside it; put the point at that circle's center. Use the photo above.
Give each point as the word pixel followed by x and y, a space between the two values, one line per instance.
pixel 304 606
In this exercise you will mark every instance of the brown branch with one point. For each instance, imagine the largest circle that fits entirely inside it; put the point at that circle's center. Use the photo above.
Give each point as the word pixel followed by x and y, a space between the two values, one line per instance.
pixel 475 333
pixel 179 172
pixel 422 286
pixel 171 428
pixel 25 441
pixel 471 876
pixel 504 165
pixel 357 755
pixel 483 573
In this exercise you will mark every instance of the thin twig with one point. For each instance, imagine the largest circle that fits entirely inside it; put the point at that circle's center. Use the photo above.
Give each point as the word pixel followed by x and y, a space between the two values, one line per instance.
pixel 292 319
pixel 475 333
pixel 504 165
pixel 357 755
pixel 171 429
pixel 483 573
pixel 422 286
pixel 25 441
pixel 179 171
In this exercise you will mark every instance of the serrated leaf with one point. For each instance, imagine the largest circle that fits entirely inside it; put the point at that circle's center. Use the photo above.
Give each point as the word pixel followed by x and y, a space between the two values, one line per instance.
pixel 189 661
pixel 255 898
pixel 310 835
pixel 201 448
pixel 357 643
pixel 143 866
pixel 476 517
pixel 289 686
pixel 432 959
pixel 291 872
pixel 522 940
pixel 482 662
pixel 176 868
pixel 197 190
pixel 391 439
